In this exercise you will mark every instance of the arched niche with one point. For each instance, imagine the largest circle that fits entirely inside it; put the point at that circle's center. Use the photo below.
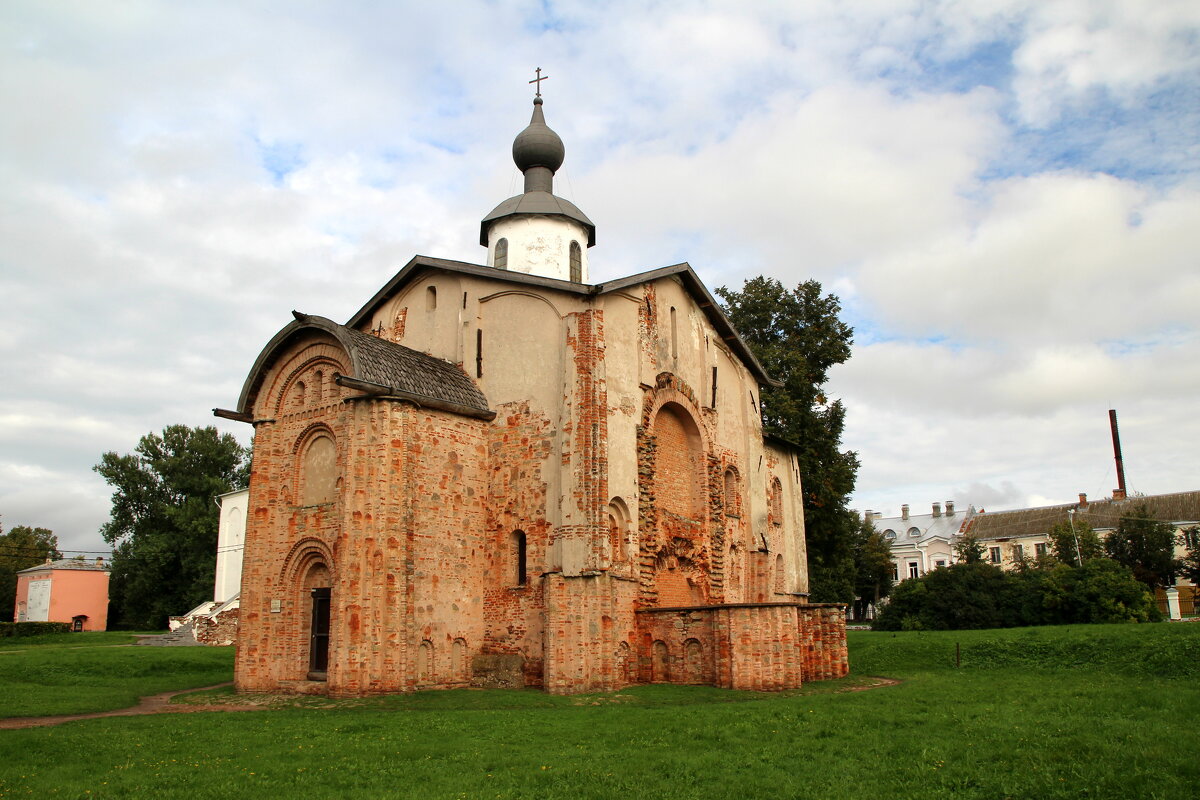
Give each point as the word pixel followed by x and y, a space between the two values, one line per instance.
pixel 318 472
pixel 679 474
pixel 617 522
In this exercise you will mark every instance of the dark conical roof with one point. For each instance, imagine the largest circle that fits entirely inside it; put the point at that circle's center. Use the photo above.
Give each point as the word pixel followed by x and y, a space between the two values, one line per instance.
pixel 538 145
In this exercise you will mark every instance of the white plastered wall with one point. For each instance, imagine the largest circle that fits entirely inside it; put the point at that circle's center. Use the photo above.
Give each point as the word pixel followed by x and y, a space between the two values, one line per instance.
pixel 539 245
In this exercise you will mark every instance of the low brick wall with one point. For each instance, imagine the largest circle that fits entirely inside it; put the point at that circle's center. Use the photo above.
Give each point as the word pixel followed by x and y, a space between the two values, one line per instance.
pixel 750 646
pixel 218 631
pixel 823 641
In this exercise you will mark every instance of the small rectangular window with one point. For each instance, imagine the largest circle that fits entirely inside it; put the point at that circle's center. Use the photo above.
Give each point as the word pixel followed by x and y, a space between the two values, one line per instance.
pixel 895 571
pixel 1040 549
pixel 939 563
pixel 913 569
pixel 994 554
pixel 714 388
pixel 1018 552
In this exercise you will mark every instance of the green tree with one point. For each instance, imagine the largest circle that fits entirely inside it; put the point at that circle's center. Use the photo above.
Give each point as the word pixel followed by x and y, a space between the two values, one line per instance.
pixel 1146 546
pixel 798 336
pixel 968 549
pixel 1189 565
pixel 163 525
pixel 1065 535
pixel 872 567
pixel 22 547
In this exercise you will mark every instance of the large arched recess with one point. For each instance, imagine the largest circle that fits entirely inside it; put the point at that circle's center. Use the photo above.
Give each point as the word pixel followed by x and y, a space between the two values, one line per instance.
pixel 676 533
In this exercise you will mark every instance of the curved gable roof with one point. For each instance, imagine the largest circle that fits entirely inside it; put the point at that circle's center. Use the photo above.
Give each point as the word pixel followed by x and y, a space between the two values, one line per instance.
pixel 379 368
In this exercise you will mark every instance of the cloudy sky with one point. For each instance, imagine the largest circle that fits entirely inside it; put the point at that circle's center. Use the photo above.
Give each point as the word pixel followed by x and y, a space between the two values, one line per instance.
pixel 1005 195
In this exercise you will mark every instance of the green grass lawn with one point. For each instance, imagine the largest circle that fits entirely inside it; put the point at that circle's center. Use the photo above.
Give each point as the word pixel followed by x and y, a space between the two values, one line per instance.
pixel 82 672
pixel 1089 711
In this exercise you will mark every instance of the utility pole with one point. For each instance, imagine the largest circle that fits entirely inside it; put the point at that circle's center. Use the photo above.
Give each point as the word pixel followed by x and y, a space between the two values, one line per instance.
pixel 1071 517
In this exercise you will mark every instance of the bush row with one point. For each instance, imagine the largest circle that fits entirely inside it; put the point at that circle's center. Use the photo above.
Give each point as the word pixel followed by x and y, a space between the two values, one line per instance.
pixel 980 595
pixel 13 629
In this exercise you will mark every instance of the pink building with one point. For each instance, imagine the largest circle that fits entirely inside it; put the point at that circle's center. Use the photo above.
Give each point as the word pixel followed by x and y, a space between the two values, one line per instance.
pixel 67 590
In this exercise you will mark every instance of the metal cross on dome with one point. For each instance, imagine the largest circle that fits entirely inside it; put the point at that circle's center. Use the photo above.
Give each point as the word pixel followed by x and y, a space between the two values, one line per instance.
pixel 538 80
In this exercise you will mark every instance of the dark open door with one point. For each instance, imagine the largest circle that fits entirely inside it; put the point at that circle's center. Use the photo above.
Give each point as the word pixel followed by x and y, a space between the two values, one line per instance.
pixel 318 652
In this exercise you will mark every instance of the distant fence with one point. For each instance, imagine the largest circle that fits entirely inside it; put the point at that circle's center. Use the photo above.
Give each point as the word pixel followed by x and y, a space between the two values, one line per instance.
pixel 1187 600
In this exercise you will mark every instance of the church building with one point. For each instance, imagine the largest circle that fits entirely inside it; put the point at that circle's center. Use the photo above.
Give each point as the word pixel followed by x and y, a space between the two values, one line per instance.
pixel 502 474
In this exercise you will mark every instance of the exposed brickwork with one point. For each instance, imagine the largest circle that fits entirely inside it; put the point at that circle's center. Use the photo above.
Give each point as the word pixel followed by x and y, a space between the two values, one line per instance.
pixel 218 630
pixel 413 522
pixel 822 635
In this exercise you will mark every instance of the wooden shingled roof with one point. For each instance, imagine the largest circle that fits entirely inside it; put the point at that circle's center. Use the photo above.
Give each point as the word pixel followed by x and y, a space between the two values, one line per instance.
pixel 378 367
pixel 1181 507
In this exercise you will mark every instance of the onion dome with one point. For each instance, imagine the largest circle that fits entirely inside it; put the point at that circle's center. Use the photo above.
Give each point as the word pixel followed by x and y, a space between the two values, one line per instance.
pixel 538 145
pixel 538 152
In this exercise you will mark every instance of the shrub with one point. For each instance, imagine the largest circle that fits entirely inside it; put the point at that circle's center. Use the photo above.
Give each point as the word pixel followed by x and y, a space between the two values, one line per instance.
pixel 14 629
pixel 980 595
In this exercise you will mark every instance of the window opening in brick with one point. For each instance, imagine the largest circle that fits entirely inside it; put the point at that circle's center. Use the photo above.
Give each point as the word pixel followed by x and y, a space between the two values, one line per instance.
pixel 576 263
pixel 713 404
pixel 431 299
pixel 776 502
pixel 780 586
pixel 519 555
pixel 732 494
pixel 501 258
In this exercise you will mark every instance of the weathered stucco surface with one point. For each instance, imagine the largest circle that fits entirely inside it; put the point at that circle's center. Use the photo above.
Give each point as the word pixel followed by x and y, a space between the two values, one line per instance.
pixel 614 481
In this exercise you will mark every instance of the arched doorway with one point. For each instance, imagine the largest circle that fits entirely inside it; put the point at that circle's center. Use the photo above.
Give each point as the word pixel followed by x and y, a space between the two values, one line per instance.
pixel 318 593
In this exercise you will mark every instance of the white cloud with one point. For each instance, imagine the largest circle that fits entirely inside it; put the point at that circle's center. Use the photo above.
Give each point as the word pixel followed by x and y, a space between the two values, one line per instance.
pixel 1121 47
pixel 150 252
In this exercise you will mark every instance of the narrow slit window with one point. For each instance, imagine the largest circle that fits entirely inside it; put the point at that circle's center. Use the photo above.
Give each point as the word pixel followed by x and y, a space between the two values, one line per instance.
pixel 714 388
pixel 519 564
pixel 479 353
pixel 501 258
pixel 674 335
pixel 431 299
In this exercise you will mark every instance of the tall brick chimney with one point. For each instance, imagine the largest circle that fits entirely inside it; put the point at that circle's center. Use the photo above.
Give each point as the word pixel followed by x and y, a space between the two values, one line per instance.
pixel 1082 500
pixel 904 511
pixel 937 510
pixel 949 508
